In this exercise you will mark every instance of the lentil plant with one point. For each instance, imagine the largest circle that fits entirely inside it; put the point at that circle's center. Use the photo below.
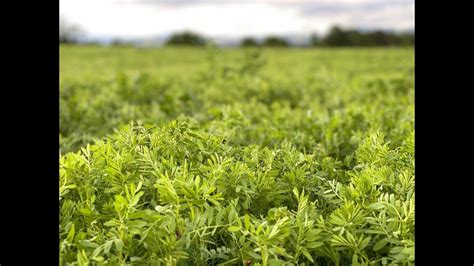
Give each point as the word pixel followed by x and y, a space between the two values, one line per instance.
pixel 240 157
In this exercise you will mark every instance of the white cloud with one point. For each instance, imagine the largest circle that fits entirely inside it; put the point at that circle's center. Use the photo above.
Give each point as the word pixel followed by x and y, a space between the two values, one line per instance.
pixel 134 18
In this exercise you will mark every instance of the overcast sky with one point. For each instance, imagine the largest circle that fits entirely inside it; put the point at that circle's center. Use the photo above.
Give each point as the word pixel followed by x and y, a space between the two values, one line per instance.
pixel 233 18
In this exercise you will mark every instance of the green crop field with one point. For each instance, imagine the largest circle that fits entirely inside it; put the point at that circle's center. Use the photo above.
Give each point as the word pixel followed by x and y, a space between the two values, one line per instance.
pixel 205 156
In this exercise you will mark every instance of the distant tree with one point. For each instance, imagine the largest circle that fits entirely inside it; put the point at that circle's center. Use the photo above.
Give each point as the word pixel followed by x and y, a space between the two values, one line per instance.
pixel 119 42
pixel 248 42
pixel 350 37
pixel 315 40
pixel 69 33
pixel 338 37
pixel 357 38
pixel 275 41
pixel 186 38
pixel 407 39
pixel 380 38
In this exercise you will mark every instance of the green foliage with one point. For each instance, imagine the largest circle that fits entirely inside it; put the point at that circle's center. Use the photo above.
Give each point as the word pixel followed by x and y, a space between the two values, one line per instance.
pixel 275 41
pixel 241 164
pixel 351 37
pixel 186 38
pixel 249 42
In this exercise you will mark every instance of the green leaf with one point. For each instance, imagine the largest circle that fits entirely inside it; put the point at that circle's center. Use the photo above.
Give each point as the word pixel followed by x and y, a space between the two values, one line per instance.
pixel 295 192
pixel 97 251
pixel 85 211
pixel 136 198
pixel 197 181
pixel 107 247
pixel 70 235
pixel 233 228
pixel 365 242
pixel 281 251
pixel 377 206
pixel 135 259
pixel 247 221
pixel 121 199
pixel 213 201
pixel 118 244
pixel 112 223
pixel 137 224
pixel 98 258
pixel 313 245
pixel 355 259
pixel 307 255
pixel 380 244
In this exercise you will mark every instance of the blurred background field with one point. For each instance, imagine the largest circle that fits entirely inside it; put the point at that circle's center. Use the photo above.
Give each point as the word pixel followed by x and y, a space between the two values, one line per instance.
pixel 91 63
pixel 105 87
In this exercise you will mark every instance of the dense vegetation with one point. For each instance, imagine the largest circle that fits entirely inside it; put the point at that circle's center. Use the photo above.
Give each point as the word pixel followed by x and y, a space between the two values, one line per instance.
pixel 351 37
pixel 186 38
pixel 236 157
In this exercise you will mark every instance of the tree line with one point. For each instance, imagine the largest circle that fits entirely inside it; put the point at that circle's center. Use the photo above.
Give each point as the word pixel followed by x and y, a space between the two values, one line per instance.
pixel 336 37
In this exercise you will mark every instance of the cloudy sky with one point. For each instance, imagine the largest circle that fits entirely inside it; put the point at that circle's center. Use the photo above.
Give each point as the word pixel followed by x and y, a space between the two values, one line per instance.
pixel 233 18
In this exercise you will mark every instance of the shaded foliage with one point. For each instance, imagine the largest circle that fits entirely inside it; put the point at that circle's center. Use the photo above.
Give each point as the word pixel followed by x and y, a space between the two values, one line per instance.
pixel 341 37
pixel 275 41
pixel 186 38
pixel 249 42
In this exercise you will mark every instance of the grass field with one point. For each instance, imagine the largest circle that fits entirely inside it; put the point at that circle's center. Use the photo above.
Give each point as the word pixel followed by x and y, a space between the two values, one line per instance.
pixel 186 156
